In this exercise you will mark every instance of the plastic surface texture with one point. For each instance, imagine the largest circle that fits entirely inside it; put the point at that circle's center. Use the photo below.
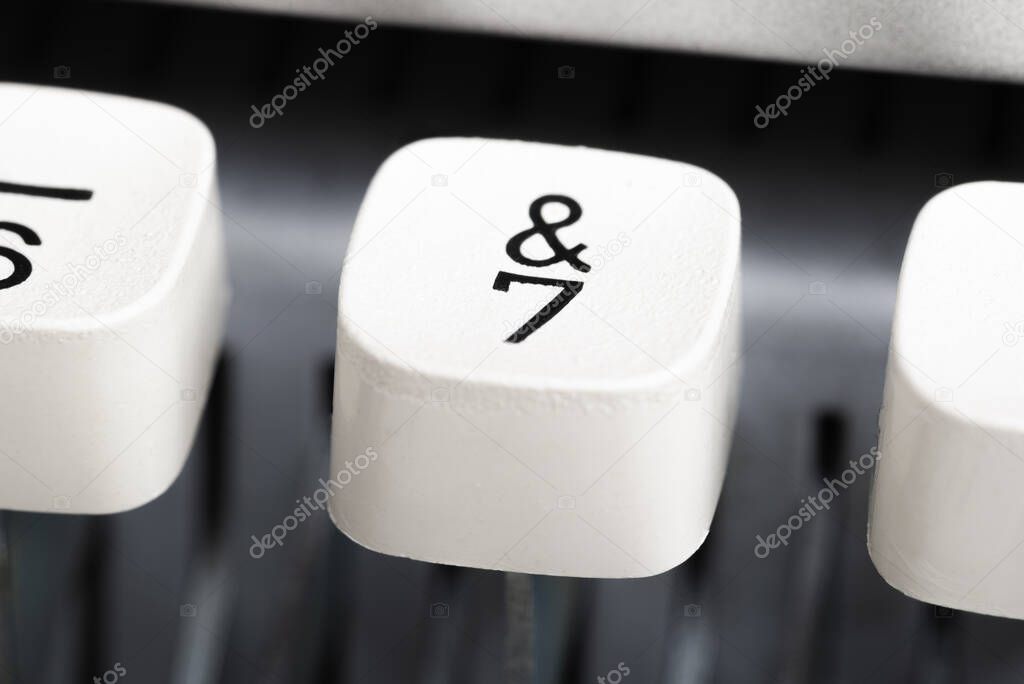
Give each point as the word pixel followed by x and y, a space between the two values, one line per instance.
pixel 113 296
pixel 945 524
pixel 537 358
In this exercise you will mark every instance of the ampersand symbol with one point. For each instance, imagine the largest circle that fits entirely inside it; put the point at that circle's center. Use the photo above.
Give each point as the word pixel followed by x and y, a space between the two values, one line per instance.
pixel 546 230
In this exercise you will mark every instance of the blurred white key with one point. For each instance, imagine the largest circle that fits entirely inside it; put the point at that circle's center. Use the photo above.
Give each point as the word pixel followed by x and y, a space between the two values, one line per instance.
pixel 113 294
pixel 946 523
pixel 537 358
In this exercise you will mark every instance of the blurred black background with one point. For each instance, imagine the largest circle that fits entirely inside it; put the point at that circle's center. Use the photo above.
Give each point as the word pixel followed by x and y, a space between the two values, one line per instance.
pixel 828 196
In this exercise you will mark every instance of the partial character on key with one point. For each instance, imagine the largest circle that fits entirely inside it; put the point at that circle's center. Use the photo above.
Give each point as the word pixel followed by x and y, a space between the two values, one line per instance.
pixel 113 296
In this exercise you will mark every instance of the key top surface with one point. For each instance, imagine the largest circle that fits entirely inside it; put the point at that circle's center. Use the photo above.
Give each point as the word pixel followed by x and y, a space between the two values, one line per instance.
pixel 945 524
pixel 538 343
pixel 112 296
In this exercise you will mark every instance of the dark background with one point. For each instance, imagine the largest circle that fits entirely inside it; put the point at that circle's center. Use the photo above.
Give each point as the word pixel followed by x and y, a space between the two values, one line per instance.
pixel 828 196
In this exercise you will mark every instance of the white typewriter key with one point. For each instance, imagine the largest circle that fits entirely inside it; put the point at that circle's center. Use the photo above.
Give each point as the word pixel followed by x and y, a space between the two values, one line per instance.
pixel 946 523
pixel 537 358
pixel 112 296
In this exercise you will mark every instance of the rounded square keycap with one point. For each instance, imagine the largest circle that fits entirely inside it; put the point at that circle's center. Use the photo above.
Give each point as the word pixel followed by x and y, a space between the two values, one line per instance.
pixel 113 294
pixel 945 523
pixel 537 358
